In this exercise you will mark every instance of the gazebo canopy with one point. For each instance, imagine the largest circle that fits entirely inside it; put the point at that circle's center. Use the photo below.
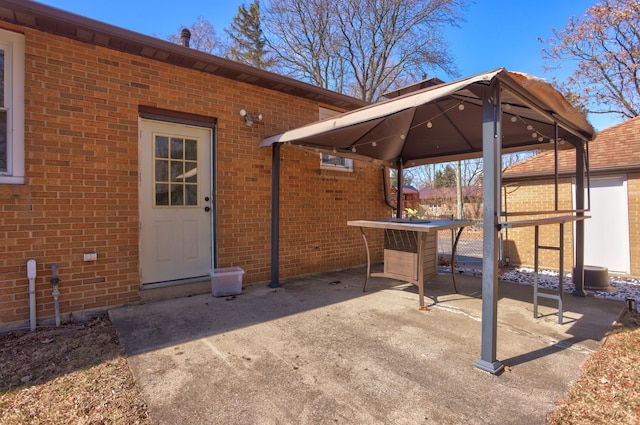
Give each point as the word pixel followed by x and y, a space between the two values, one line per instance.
pixel 444 122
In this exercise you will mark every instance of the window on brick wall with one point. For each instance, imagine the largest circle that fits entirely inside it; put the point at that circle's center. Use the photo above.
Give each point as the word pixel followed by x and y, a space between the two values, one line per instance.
pixel 332 161
pixel 11 107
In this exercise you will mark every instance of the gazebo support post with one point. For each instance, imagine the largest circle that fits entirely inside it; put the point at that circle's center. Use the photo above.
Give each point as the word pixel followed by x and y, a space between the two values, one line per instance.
pixel 275 215
pixel 491 154
pixel 578 278
pixel 399 195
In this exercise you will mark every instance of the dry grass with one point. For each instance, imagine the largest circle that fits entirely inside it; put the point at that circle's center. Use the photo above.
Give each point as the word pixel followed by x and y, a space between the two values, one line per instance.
pixel 608 392
pixel 68 375
pixel 78 375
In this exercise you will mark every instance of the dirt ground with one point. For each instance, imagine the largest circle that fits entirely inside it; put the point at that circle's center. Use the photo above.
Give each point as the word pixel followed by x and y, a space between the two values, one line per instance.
pixel 607 391
pixel 74 374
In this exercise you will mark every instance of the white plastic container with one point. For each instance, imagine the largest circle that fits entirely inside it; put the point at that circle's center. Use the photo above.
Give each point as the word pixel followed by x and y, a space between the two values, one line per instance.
pixel 226 281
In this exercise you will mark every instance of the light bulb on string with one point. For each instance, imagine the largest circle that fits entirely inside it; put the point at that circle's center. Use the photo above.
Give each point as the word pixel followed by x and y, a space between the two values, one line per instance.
pixel 353 149
pixel 534 135
pixel 335 150
pixel 514 119
pixel 429 124
pixel 461 107
pixel 540 139
pixel 374 144
pixel 529 127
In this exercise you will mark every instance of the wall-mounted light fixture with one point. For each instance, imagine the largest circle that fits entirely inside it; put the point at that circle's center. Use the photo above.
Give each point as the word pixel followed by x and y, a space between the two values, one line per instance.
pixel 250 117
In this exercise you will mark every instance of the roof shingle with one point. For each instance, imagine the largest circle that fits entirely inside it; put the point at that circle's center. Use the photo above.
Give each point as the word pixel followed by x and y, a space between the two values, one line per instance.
pixel 613 149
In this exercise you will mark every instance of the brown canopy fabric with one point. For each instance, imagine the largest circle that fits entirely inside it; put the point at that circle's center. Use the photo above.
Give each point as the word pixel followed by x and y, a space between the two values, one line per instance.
pixel 444 122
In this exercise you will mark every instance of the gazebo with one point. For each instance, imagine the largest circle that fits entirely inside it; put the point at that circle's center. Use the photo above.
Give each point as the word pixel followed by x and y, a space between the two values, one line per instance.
pixel 484 115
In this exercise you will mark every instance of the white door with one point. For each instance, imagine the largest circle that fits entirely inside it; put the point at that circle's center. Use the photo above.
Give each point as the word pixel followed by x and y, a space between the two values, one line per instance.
pixel 606 233
pixel 175 201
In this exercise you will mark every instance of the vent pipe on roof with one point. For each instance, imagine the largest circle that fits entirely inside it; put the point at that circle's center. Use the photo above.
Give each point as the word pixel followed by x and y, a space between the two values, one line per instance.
pixel 185 36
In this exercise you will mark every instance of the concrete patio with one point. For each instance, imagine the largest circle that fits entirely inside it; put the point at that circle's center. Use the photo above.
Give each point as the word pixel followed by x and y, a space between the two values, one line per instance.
pixel 319 351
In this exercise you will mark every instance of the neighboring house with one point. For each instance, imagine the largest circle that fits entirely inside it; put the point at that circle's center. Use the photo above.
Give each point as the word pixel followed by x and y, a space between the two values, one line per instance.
pixel 135 149
pixel 410 196
pixel 442 201
pixel 612 234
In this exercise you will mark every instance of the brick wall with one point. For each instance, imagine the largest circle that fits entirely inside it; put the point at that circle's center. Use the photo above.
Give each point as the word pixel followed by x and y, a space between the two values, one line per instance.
pixel 539 195
pixel 81 191
pixel 519 242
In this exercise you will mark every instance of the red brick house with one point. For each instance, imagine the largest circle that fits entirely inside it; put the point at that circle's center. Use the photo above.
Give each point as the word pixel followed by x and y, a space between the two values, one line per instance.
pixel 612 234
pixel 134 148
pixel 442 201
pixel 410 196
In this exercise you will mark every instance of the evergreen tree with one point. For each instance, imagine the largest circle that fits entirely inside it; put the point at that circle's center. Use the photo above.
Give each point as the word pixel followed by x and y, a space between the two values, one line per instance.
pixel 446 177
pixel 247 43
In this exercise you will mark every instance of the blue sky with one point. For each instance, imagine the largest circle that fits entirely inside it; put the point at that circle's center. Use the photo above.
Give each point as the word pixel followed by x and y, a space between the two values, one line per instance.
pixel 496 33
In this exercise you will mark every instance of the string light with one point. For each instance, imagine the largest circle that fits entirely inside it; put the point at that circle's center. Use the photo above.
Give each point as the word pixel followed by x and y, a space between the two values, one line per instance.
pixel 461 107
pixel 535 134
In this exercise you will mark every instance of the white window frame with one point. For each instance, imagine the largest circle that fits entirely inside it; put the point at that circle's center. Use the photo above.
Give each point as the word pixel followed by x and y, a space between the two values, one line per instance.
pixel 345 164
pixel 14 69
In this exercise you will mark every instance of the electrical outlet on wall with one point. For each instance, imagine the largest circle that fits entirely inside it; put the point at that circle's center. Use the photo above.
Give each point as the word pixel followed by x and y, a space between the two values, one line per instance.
pixel 90 256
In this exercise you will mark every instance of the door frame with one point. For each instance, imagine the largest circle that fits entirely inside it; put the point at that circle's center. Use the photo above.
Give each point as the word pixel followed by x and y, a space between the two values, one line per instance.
pixel 169 117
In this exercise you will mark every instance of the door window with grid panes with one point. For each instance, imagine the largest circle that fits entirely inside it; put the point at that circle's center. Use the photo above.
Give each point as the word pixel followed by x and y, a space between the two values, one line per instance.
pixel 176 171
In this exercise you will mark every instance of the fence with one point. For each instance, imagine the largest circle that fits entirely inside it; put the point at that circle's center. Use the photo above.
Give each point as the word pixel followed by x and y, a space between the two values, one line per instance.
pixel 469 249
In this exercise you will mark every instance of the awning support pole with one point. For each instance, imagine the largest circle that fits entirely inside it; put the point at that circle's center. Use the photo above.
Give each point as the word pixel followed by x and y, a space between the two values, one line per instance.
pixel 491 158
pixel 399 199
pixel 578 277
pixel 275 215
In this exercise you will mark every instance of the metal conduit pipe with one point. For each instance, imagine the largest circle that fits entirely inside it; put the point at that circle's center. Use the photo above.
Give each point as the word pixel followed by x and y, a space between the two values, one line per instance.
pixel 55 281
pixel 31 275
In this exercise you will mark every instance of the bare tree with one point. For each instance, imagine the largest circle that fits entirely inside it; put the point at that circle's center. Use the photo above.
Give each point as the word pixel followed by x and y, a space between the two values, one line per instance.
pixel 427 175
pixel 303 36
pixel 423 176
pixel 605 46
pixel 203 37
pixel 362 47
pixel 471 171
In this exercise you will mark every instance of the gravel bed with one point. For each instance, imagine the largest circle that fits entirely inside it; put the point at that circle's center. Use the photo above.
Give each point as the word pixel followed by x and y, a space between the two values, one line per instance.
pixel 620 288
